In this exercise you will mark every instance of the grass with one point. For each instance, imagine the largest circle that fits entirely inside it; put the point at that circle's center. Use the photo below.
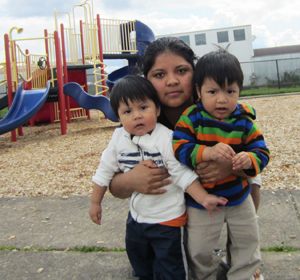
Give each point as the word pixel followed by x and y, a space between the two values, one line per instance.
pixel 281 248
pixel 3 112
pixel 95 249
pixel 82 249
pixel 269 91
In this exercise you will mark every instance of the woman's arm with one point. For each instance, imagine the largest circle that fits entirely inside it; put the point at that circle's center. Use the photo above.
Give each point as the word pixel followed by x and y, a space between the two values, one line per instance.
pixel 142 178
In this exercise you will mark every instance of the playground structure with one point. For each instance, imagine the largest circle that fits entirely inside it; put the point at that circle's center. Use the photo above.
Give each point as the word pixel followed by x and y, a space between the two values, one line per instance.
pixel 66 58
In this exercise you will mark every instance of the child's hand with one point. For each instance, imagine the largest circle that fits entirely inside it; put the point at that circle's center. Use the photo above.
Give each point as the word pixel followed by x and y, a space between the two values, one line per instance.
pixel 220 151
pixel 96 213
pixel 211 202
pixel 241 161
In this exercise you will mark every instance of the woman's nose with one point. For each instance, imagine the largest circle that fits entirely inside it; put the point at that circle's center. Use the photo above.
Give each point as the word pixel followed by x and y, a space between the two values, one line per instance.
pixel 172 80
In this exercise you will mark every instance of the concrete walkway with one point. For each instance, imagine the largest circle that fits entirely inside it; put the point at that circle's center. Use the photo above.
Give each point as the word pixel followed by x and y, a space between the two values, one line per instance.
pixel 38 237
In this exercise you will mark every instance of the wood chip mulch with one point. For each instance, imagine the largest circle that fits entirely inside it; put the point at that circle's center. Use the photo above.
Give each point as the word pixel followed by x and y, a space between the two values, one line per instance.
pixel 45 163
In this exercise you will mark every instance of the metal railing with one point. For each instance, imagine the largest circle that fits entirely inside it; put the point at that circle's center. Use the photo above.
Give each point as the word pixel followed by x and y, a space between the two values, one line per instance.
pixel 272 73
pixel 118 36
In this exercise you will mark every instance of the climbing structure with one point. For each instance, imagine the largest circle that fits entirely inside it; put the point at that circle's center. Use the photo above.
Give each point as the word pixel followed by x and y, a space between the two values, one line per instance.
pixel 68 53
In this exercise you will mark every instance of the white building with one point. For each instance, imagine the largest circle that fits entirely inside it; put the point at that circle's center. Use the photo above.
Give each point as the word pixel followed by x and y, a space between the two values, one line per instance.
pixel 267 66
pixel 237 40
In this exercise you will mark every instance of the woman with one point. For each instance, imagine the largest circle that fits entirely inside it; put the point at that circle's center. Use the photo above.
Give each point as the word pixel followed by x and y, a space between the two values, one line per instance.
pixel 168 64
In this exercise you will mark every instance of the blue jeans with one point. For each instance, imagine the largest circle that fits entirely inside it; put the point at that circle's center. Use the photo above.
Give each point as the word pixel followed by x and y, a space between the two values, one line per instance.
pixel 155 251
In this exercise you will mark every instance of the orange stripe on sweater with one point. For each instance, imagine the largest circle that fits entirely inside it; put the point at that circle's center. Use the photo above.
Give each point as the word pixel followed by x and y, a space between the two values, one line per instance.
pixel 224 181
pixel 200 153
pixel 178 143
pixel 254 163
pixel 254 135
pixel 246 108
pixel 213 137
pixel 181 123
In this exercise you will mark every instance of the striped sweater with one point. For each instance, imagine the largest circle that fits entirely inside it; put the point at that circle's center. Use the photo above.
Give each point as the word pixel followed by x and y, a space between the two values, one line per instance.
pixel 197 129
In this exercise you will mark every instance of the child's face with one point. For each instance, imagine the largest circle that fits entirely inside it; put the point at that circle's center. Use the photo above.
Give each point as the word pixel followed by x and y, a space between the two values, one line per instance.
pixel 219 102
pixel 138 117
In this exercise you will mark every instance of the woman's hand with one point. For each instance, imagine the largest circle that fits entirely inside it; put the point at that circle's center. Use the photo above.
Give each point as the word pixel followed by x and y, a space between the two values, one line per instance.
pixel 212 171
pixel 144 178
pixel 151 179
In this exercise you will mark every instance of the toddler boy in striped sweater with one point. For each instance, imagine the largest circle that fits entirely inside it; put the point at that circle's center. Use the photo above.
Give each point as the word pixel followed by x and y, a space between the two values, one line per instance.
pixel 218 128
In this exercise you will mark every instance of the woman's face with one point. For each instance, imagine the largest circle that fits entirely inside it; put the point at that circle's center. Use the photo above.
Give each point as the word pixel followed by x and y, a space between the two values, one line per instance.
pixel 171 75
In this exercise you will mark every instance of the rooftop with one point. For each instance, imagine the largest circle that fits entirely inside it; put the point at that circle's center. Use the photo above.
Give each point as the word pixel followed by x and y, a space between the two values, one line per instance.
pixel 277 50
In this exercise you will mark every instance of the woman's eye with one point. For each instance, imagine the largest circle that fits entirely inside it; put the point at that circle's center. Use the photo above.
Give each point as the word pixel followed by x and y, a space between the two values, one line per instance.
pixel 182 70
pixel 158 75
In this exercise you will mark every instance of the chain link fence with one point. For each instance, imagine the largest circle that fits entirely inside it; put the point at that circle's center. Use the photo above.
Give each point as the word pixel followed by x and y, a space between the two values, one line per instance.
pixel 272 73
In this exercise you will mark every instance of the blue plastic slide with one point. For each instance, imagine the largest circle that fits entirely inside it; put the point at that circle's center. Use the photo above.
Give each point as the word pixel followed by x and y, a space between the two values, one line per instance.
pixel 87 101
pixel 114 76
pixel 25 104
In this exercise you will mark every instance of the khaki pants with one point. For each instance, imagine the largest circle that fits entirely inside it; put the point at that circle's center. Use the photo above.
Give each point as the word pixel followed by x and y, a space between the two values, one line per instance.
pixel 203 233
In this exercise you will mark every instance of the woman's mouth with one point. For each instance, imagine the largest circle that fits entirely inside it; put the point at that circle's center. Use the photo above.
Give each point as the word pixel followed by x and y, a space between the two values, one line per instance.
pixel 173 94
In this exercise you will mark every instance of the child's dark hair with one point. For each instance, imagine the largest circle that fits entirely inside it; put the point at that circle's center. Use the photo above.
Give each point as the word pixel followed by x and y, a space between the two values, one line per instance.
pixel 132 88
pixel 164 44
pixel 221 66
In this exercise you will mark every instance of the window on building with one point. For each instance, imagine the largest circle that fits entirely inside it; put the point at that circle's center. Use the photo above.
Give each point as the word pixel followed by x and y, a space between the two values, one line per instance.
pixel 185 38
pixel 200 39
pixel 239 35
pixel 222 36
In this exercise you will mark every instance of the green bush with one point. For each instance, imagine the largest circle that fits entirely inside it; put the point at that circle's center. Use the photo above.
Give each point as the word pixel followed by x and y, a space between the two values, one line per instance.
pixel 3 112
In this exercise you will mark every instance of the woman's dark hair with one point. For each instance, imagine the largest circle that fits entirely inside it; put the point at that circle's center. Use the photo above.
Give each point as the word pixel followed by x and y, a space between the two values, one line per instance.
pixel 162 45
pixel 221 66
pixel 132 88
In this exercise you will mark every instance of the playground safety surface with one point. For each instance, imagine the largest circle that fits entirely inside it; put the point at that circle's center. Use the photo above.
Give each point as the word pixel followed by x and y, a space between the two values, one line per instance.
pixel 45 238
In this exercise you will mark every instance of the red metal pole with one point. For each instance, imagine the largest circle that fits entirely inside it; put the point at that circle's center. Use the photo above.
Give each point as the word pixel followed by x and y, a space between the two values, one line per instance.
pixel 9 80
pixel 65 70
pixel 82 41
pixel 59 74
pixel 64 58
pixel 47 48
pixel 83 59
pixel 28 85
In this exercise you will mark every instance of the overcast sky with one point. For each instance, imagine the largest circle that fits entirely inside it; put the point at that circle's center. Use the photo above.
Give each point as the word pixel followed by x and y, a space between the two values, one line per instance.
pixel 274 22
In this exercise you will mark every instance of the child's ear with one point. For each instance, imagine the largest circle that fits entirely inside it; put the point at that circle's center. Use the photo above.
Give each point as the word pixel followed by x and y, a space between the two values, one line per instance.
pixel 157 111
pixel 198 89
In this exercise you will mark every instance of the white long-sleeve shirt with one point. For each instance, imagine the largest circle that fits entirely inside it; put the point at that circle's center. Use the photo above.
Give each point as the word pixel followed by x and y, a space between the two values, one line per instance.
pixel 123 153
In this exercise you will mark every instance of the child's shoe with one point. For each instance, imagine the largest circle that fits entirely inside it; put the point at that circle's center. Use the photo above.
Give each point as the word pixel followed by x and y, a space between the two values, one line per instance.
pixel 222 271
